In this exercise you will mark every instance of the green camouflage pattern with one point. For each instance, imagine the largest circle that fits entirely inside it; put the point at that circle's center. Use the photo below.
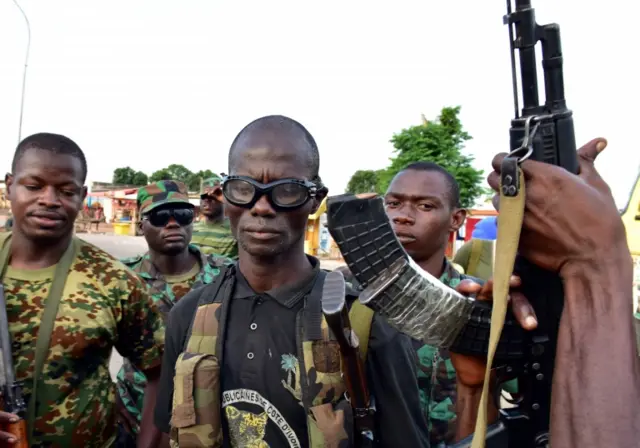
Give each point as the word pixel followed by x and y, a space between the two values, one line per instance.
pixel 196 420
pixel 215 239
pixel 318 382
pixel 437 378
pixel 162 192
pixel 104 305
pixel 211 182
pixel 131 382
pixel 196 409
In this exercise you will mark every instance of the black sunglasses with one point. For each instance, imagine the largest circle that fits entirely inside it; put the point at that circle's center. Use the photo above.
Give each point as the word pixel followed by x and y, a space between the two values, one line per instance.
pixel 160 218
pixel 284 195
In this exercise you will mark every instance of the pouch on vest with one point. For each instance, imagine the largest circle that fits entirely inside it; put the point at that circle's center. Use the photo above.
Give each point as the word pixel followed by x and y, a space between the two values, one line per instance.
pixel 196 409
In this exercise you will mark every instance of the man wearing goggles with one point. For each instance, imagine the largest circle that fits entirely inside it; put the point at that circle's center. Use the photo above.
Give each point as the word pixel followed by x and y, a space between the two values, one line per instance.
pixel 262 322
pixel 171 268
pixel 213 234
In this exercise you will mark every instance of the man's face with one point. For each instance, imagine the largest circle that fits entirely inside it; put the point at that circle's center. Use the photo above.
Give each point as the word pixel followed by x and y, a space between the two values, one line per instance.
pixel 419 207
pixel 211 203
pixel 167 229
pixel 260 230
pixel 46 193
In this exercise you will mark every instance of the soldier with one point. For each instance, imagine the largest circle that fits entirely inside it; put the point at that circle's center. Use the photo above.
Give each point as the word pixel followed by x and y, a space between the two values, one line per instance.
pixel 68 304
pixel 476 255
pixel 422 203
pixel 276 379
pixel 213 235
pixel 171 268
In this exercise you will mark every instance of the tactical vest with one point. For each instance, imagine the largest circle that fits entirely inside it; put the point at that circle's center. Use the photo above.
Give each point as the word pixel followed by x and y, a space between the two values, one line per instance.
pixel 197 409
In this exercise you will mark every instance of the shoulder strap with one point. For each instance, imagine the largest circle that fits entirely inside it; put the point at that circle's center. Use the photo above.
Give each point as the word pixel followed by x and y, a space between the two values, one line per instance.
pixel 4 252
pixel 46 326
pixel 312 317
pixel 474 256
pixel 208 294
pixel 361 317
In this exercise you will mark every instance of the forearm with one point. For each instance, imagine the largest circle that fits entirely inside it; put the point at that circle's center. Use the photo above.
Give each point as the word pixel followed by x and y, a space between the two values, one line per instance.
pixel 467 407
pixel 149 435
pixel 596 387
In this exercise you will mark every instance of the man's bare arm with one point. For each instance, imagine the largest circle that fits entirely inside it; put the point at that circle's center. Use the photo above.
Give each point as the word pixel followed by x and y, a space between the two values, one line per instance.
pixel 150 436
pixel 467 404
pixel 596 387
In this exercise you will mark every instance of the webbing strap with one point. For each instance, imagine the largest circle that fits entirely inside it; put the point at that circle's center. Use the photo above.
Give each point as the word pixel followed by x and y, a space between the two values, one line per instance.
pixel 361 317
pixel 509 227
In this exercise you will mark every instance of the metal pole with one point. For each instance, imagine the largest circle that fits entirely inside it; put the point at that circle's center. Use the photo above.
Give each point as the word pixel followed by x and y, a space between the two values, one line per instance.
pixel 24 73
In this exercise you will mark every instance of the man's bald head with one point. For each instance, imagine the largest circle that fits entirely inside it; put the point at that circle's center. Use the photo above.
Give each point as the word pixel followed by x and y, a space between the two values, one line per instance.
pixel 281 128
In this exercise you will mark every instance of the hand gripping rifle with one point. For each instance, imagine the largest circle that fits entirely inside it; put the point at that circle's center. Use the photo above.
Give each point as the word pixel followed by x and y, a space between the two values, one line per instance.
pixel 417 304
pixel 336 313
pixel 10 389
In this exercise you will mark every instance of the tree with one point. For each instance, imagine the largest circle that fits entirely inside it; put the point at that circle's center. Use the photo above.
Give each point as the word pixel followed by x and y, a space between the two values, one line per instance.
pixel 440 141
pixel 129 176
pixel 194 181
pixel 159 175
pixel 172 172
pixel 140 179
pixel 364 181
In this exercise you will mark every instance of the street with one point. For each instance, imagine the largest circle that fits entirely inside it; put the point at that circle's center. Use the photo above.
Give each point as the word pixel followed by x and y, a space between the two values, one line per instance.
pixel 129 246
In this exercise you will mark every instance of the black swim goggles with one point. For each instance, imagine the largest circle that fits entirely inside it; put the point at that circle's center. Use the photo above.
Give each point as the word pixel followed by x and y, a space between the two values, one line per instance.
pixel 283 195
pixel 160 218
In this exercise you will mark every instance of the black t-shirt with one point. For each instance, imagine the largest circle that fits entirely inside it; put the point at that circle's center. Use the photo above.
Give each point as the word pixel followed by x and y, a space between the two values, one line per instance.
pixel 260 381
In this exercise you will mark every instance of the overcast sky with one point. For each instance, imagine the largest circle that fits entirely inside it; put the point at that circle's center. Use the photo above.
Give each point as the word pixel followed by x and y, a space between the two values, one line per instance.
pixel 150 83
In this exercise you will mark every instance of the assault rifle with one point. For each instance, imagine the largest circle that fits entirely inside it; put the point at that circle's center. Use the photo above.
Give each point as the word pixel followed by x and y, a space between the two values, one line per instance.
pixel 336 314
pixel 412 300
pixel 10 389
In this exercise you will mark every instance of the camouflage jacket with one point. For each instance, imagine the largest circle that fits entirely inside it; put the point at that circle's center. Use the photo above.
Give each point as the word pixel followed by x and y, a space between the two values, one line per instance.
pixel 215 239
pixel 437 378
pixel 131 381
pixel 103 306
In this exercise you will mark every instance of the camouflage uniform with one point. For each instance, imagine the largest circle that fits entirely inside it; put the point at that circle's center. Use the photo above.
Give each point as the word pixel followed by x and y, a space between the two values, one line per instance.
pixel 103 305
pixel 437 379
pixel 214 238
pixel 165 292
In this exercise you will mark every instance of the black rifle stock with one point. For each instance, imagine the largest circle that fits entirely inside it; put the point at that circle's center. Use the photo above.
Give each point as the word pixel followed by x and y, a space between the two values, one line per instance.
pixel 12 400
pixel 336 312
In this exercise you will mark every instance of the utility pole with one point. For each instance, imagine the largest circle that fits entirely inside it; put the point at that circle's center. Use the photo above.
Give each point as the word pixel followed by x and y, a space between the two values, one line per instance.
pixel 24 73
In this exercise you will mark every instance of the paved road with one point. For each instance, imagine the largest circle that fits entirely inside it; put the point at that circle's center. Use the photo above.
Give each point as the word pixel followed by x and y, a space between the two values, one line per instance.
pixel 129 246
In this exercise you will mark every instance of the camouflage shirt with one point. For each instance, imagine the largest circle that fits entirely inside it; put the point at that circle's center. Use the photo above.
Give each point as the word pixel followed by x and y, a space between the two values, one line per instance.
pixel 165 291
pixel 437 379
pixel 215 239
pixel 103 305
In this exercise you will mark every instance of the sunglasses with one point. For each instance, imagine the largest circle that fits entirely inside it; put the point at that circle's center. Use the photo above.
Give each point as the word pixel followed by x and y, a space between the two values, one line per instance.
pixel 160 218
pixel 283 195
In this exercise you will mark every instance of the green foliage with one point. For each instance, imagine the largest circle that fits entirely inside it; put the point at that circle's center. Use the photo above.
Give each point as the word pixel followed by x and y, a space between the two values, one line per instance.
pixel 129 176
pixel 194 180
pixel 159 175
pixel 364 181
pixel 140 179
pixel 440 141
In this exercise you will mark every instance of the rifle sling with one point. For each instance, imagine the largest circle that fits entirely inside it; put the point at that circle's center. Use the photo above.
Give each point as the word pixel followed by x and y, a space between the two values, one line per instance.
pixel 48 318
pixel 509 227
